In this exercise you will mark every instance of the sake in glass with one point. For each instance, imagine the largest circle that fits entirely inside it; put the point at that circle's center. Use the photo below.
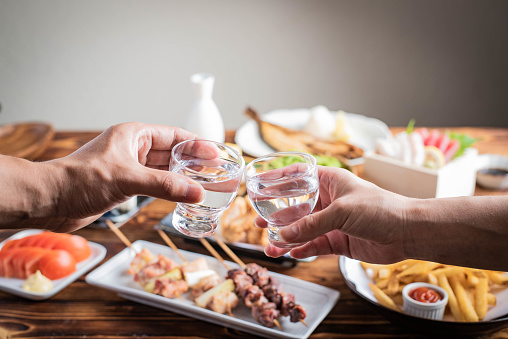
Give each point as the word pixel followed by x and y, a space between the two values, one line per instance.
pixel 283 188
pixel 219 169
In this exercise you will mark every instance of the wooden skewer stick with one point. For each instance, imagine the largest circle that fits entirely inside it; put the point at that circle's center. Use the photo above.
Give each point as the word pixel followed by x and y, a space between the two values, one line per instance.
pixel 276 322
pixel 229 310
pixel 229 252
pixel 171 244
pixel 119 234
pixel 303 322
pixel 212 250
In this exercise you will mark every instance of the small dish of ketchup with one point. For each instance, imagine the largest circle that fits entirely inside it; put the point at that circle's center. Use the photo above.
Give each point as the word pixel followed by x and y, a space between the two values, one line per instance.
pixel 424 300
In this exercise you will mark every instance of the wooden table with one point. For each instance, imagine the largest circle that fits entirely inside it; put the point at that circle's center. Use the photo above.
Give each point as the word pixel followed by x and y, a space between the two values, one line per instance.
pixel 82 310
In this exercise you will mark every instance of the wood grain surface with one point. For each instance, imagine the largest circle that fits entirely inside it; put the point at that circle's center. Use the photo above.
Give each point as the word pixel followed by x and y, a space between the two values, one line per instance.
pixel 25 140
pixel 85 311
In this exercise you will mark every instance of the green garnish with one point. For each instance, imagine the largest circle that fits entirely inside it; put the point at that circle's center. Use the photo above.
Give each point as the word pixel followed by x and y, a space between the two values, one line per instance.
pixel 322 160
pixel 464 140
pixel 410 126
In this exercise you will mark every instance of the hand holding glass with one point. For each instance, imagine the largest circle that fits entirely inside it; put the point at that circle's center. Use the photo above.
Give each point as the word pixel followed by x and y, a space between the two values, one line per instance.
pixel 219 169
pixel 283 188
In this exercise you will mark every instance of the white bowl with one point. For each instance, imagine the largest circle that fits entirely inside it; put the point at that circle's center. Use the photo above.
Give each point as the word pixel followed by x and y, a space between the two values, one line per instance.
pixel 486 177
pixel 434 311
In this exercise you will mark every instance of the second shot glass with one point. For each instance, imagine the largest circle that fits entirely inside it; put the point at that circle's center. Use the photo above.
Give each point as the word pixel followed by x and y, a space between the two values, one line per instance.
pixel 283 188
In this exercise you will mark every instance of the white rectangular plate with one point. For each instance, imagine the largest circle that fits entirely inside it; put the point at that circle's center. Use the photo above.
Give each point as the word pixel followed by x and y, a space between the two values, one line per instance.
pixel 317 300
pixel 13 285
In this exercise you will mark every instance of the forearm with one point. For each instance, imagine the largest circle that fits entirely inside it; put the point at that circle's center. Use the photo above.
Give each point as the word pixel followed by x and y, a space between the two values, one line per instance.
pixel 471 232
pixel 29 193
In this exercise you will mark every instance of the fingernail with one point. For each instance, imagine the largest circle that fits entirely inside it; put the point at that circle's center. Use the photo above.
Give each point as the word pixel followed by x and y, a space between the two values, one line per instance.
pixel 194 192
pixel 288 233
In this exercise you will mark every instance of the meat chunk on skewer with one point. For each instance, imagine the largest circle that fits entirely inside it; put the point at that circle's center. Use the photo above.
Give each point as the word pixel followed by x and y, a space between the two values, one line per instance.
pixel 252 295
pixel 199 264
pixel 170 288
pixel 141 259
pixel 154 270
pixel 265 312
pixel 241 280
pixel 223 302
pixel 258 274
pixel 296 313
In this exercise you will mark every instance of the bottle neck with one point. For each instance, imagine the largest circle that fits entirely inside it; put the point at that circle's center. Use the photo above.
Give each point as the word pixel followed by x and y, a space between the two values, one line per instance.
pixel 203 85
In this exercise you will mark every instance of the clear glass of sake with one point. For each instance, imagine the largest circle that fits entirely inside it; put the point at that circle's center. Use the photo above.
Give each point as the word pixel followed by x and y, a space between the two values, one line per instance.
pixel 219 169
pixel 283 188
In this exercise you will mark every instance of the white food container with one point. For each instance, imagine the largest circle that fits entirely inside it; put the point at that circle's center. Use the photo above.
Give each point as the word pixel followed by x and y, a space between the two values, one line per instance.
pixel 433 311
pixel 457 178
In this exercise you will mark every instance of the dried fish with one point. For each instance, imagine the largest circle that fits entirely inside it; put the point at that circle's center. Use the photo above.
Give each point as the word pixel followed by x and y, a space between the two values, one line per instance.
pixel 285 139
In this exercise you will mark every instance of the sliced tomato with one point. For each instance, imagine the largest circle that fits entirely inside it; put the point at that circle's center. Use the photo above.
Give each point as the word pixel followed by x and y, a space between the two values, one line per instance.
pixel 20 255
pixel 57 264
pixel 12 244
pixel 77 246
pixel 5 263
pixel 48 239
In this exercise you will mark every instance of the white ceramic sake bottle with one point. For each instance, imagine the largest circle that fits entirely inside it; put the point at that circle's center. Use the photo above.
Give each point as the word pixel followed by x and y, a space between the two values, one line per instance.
pixel 204 118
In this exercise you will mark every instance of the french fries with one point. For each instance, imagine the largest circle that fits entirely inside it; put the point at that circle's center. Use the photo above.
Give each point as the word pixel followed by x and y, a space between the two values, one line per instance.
pixel 469 290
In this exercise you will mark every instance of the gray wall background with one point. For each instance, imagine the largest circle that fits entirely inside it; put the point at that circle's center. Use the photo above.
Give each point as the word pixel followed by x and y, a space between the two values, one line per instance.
pixel 90 64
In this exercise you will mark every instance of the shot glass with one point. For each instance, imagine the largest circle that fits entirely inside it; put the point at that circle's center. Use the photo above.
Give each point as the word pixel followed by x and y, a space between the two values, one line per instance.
pixel 283 188
pixel 219 169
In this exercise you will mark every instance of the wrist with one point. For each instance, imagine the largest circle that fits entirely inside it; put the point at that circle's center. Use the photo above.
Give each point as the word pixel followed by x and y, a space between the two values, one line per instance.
pixel 28 190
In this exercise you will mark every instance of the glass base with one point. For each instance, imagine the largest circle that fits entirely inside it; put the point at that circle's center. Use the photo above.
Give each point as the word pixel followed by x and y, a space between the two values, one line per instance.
pixel 275 240
pixel 196 226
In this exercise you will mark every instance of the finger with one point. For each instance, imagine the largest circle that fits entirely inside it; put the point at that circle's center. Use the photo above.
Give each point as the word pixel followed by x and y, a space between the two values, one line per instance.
pixel 157 158
pixel 334 242
pixel 312 226
pixel 164 137
pixel 260 222
pixel 275 252
pixel 199 149
pixel 164 185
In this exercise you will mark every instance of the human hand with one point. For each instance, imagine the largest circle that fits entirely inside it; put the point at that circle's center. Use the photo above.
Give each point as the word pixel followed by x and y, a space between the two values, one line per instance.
pixel 352 217
pixel 126 160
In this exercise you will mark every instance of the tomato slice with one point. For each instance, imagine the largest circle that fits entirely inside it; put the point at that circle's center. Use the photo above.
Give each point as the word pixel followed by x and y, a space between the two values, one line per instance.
pixel 77 246
pixel 12 244
pixel 6 263
pixel 57 264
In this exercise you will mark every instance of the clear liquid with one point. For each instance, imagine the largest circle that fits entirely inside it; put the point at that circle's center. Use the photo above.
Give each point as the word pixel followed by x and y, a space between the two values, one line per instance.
pixel 219 192
pixel 284 203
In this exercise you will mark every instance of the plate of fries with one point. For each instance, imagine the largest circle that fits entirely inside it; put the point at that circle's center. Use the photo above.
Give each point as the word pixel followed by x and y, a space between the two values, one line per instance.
pixel 478 299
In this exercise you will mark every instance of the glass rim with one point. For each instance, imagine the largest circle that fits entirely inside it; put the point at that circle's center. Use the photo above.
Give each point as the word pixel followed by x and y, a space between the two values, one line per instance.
pixel 277 155
pixel 233 174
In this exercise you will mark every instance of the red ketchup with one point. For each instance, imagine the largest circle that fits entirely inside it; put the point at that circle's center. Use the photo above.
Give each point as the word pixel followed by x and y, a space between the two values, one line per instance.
pixel 425 295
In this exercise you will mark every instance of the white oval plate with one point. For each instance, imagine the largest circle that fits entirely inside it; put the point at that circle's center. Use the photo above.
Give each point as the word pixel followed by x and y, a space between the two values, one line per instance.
pixel 13 285
pixel 368 130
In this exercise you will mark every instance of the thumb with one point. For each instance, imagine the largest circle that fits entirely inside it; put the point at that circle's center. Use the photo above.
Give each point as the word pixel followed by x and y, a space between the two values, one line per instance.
pixel 312 226
pixel 164 185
